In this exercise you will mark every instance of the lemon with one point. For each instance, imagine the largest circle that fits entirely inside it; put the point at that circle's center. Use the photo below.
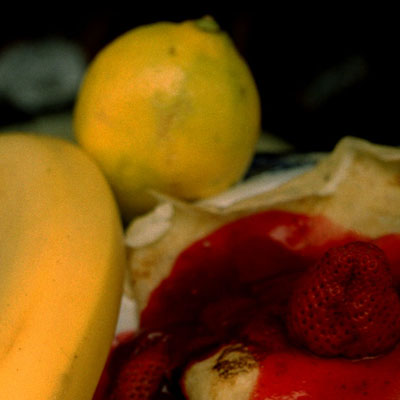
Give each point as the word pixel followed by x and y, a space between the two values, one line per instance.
pixel 171 107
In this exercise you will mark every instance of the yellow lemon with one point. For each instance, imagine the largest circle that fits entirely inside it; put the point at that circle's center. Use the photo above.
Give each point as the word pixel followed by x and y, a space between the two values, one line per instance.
pixel 171 107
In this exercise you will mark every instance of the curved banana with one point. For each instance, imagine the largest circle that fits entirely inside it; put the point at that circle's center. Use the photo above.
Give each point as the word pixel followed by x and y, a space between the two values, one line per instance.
pixel 62 264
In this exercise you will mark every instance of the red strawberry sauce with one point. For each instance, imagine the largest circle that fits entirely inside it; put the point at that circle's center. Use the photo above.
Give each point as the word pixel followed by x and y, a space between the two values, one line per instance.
pixel 243 272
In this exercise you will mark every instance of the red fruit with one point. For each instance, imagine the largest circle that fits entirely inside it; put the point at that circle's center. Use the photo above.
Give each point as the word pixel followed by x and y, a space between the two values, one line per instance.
pixel 346 304
pixel 263 335
pixel 141 374
pixel 121 341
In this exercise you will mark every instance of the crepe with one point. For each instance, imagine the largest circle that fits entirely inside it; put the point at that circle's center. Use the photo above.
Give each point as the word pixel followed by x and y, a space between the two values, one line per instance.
pixel 357 187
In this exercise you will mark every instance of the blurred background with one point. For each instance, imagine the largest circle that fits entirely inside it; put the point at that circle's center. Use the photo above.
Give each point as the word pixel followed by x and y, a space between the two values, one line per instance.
pixel 322 74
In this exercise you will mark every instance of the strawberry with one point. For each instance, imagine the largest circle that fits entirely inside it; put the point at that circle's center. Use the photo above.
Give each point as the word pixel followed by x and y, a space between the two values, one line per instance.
pixel 263 334
pixel 346 304
pixel 140 374
pixel 118 349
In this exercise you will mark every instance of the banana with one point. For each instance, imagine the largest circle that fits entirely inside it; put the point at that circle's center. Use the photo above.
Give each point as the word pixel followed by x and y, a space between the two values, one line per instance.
pixel 62 263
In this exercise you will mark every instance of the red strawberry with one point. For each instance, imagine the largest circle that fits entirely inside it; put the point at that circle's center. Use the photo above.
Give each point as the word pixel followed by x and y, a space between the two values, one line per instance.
pixel 263 335
pixel 346 304
pixel 119 345
pixel 141 374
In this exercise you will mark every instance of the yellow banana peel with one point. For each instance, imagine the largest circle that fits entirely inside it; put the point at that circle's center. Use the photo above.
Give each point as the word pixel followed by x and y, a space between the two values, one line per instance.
pixel 62 263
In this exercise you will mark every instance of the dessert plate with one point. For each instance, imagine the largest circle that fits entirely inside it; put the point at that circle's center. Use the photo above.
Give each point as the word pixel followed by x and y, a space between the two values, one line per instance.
pixel 211 272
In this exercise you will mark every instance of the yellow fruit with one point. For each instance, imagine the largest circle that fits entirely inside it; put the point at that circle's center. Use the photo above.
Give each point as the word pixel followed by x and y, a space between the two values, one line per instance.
pixel 62 263
pixel 171 107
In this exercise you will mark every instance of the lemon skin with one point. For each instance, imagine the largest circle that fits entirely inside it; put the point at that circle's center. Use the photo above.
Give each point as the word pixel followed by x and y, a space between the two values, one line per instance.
pixel 171 107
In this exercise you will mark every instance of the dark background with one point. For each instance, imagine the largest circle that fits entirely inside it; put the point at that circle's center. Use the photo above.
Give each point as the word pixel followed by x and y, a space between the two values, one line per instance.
pixel 321 74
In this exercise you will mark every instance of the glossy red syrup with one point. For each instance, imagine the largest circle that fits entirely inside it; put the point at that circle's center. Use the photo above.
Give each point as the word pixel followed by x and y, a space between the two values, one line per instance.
pixel 233 285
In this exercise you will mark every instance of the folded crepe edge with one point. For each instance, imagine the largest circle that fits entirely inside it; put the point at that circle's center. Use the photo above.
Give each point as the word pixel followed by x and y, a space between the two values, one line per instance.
pixel 155 240
pixel 321 180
